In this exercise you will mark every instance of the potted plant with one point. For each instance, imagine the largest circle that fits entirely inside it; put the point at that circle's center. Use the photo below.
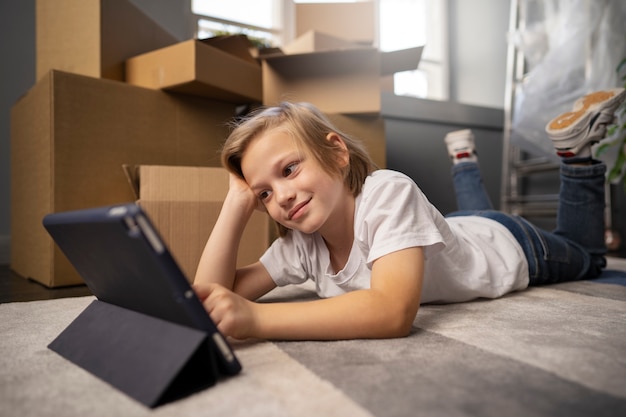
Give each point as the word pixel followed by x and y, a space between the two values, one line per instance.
pixel 616 140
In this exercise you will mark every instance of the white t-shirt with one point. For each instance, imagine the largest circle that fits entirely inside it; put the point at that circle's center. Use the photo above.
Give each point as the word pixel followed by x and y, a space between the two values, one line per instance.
pixel 465 257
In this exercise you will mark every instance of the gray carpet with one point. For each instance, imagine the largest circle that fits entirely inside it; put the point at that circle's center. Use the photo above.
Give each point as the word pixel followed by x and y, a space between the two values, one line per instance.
pixel 553 351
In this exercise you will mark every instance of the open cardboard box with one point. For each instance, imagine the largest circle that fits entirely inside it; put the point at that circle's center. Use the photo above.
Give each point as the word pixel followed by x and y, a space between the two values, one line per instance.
pixel 70 134
pixel 331 75
pixel 93 37
pixel 220 68
pixel 184 203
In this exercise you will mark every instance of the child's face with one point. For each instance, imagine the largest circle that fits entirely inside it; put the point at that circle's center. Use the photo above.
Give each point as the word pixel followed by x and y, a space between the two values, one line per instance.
pixel 295 190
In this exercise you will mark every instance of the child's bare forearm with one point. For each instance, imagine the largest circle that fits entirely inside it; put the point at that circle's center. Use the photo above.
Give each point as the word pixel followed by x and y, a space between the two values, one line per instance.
pixel 357 315
pixel 387 309
pixel 219 258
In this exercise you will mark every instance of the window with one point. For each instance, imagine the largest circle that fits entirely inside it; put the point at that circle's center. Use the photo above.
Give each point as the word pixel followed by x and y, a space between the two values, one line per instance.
pixel 401 24
pixel 409 23
pixel 259 19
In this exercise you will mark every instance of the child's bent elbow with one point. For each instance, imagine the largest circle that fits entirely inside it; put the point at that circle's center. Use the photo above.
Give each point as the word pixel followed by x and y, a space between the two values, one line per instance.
pixel 398 332
pixel 403 324
pixel 406 328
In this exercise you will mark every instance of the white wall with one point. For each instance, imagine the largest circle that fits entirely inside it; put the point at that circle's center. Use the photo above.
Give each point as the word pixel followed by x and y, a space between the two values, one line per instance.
pixel 478 47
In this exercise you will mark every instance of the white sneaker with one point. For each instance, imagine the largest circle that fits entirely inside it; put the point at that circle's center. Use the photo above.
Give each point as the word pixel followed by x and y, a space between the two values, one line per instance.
pixel 574 132
pixel 461 146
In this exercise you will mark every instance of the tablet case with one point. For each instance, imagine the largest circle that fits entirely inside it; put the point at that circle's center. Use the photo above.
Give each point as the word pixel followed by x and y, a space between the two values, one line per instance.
pixel 147 334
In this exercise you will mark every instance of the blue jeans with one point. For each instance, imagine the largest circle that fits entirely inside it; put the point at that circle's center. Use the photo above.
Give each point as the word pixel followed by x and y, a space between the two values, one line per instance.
pixel 576 249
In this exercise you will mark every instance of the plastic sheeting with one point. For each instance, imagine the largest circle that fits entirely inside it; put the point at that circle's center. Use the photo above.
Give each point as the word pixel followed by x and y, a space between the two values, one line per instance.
pixel 571 47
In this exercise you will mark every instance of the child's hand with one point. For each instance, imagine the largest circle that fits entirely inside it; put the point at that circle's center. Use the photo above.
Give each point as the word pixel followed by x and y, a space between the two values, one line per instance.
pixel 240 188
pixel 233 315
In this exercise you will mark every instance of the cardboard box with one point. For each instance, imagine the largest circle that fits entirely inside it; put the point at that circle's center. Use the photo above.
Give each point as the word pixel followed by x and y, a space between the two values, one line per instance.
pixel 355 22
pixel 93 37
pixel 221 68
pixel 70 134
pixel 184 203
pixel 316 41
pixel 335 80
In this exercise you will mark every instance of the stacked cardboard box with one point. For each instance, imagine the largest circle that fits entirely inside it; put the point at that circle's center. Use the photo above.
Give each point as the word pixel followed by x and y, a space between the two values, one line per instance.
pixel 76 128
pixel 336 75
pixel 220 68
pixel 71 134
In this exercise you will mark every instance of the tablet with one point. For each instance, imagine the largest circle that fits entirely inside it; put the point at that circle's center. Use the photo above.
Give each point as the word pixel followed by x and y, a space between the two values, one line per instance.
pixel 123 260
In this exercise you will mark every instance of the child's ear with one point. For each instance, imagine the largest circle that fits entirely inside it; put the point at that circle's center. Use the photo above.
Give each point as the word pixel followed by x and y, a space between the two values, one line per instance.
pixel 342 149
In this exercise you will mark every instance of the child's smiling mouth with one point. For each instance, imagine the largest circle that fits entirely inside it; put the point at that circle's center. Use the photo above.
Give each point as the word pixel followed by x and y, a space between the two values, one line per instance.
pixel 295 212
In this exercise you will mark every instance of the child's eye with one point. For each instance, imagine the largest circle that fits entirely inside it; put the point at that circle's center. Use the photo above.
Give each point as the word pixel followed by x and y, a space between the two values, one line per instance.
pixel 290 169
pixel 263 195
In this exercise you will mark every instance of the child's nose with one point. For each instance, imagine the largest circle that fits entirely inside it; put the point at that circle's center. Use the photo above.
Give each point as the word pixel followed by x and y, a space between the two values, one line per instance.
pixel 284 193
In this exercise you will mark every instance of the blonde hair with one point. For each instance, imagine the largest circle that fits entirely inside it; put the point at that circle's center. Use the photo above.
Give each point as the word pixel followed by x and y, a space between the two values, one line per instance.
pixel 309 127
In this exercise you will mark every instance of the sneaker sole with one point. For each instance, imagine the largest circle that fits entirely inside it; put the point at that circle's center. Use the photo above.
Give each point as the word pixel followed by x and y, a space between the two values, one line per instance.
pixel 584 108
pixel 569 130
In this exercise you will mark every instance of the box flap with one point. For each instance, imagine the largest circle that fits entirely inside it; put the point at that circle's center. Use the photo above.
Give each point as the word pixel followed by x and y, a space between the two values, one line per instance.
pixel 132 176
pixel 182 183
pixel 401 60
pixel 322 63
pixel 341 60
pixel 262 53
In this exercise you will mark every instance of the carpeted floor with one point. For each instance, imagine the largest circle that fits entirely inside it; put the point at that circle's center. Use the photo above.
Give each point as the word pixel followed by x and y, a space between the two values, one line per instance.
pixel 552 351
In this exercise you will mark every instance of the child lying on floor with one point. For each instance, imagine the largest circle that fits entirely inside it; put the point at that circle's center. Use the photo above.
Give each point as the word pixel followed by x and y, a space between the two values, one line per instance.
pixel 371 241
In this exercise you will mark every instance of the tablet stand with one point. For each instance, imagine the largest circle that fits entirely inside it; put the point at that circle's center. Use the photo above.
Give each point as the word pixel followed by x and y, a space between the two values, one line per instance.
pixel 151 360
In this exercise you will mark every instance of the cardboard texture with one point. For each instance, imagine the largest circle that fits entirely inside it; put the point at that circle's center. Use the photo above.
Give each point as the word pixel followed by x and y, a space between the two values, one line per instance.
pixel 354 22
pixel 219 68
pixel 316 41
pixel 93 37
pixel 336 81
pixel 134 353
pixel 184 203
pixel 70 134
